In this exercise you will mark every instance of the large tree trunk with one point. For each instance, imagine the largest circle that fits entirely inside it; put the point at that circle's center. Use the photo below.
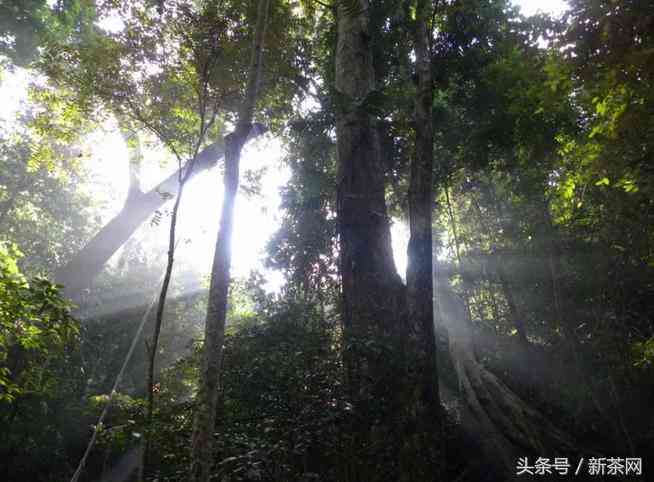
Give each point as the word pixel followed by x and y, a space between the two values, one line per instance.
pixel 207 398
pixel 423 437
pixel 78 273
pixel 373 295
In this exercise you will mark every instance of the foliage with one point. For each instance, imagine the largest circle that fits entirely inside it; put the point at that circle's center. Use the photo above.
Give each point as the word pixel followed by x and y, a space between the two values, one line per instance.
pixel 304 246
pixel 37 331
pixel 282 401
pixel 41 376
pixel 27 25
pixel 544 211
pixel 155 64
pixel 553 221
pixel 42 207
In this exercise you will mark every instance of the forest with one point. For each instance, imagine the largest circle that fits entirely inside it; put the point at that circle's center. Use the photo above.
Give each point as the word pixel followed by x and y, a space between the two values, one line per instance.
pixel 326 240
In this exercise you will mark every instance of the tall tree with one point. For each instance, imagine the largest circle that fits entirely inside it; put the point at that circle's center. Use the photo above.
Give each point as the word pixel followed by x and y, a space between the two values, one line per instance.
pixel 424 407
pixel 214 335
pixel 152 345
pixel 144 74
pixel 78 273
pixel 373 297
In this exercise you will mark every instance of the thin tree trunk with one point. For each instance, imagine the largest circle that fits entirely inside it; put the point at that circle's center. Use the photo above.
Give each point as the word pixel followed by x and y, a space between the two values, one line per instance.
pixel 153 344
pixel 516 318
pixel 564 318
pixel 373 298
pixel 78 273
pixel 510 301
pixel 423 435
pixel 207 398
pixel 184 175
pixel 492 298
pixel 467 288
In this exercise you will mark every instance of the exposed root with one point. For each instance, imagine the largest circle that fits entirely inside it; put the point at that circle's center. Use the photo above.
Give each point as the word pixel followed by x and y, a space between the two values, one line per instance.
pixel 506 426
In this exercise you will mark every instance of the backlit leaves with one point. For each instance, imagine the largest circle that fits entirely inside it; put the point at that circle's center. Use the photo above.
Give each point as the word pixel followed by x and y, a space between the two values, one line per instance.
pixel 36 330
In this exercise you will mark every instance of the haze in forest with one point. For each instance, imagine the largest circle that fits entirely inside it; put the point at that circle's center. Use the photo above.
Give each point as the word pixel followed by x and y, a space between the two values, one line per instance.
pixel 109 183
pixel 342 241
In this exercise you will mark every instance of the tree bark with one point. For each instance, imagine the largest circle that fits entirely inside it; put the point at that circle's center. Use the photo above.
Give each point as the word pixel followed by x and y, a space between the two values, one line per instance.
pixel 131 138
pixel 78 273
pixel 207 398
pixel 372 292
pixel 423 436
pixel 153 344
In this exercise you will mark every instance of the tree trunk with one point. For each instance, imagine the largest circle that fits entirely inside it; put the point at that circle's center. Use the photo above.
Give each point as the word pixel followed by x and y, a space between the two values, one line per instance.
pixel 207 398
pixel 131 137
pixel 78 273
pixel 153 344
pixel 372 292
pixel 516 319
pixel 465 278
pixel 423 436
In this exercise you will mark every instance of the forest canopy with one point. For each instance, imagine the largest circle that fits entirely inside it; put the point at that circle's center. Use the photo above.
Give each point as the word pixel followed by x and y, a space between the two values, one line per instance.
pixel 331 240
